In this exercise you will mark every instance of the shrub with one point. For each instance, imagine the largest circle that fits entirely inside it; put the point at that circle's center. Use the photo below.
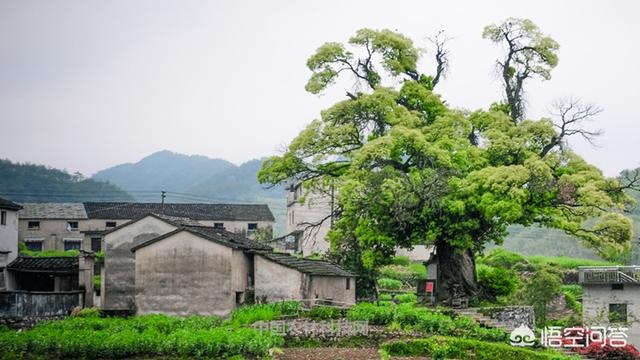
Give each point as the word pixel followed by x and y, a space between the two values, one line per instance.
pixel 497 281
pixel 543 287
pixel 441 347
pixel 375 315
pixel 397 272
pixel 323 313
pixel 250 314
pixel 89 313
pixel 408 298
pixel 389 284
pixel 565 262
pixel 143 336
pixel 502 258
pixel 401 260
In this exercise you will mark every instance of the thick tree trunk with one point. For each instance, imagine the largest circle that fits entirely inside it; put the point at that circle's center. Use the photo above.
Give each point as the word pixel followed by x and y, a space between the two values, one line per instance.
pixel 456 272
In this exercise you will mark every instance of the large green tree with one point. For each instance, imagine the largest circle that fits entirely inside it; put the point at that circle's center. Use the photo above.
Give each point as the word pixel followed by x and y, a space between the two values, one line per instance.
pixel 410 170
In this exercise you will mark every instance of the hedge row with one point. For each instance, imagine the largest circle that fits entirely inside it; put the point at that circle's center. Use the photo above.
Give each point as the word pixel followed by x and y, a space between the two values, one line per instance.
pixel 440 347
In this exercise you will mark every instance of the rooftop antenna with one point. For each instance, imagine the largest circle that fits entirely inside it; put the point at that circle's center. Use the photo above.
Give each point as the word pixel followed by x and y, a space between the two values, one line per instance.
pixel 163 194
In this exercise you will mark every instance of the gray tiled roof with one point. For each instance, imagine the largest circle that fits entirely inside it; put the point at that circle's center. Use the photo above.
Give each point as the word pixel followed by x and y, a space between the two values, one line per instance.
pixel 220 236
pixel 307 266
pixel 52 211
pixel 9 205
pixel 44 264
pixel 230 212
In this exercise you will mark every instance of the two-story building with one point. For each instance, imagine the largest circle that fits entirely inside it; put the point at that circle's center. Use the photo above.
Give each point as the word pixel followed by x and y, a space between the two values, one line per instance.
pixel 79 226
pixel 611 297
pixel 309 219
pixel 8 235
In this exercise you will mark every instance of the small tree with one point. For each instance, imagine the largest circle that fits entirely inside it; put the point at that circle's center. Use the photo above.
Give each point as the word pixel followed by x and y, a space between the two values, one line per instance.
pixel 540 291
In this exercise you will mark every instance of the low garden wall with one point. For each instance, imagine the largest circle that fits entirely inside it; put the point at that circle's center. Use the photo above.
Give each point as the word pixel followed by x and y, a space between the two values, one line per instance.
pixel 512 316
pixel 35 304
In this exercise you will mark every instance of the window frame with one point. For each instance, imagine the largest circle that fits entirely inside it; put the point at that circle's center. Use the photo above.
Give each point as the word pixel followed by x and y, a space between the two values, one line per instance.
pixel 76 228
pixel 614 309
pixel 250 225
pixel 106 224
pixel 28 245
pixel 218 225
pixel 36 227
pixel 99 240
pixel 348 286
pixel 3 217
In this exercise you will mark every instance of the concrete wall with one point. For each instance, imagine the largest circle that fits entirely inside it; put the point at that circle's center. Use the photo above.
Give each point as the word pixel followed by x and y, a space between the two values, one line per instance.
pixel 315 208
pixel 44 304
pixel 118 282
pixel 52 232
pixel 239 226
pixel 275 282
pixel 333 288
pixel 595 307
pixel 185 275
pixel 8 242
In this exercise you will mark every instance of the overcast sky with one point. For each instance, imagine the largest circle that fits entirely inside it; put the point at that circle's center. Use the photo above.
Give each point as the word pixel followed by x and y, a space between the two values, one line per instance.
pixel 85 85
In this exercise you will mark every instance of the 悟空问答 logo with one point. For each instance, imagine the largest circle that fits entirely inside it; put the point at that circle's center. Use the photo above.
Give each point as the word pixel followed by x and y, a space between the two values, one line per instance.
pixel 522 336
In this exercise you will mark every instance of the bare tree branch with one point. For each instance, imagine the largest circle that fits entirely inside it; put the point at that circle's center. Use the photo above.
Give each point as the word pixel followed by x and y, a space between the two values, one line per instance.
pixel 569 118
pixel 439 40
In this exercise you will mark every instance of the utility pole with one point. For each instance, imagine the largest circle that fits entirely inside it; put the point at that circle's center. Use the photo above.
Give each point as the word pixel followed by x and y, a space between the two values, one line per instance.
pixel 163 194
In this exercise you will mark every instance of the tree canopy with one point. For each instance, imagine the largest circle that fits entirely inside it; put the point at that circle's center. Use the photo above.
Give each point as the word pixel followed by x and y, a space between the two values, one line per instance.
pixel 410 170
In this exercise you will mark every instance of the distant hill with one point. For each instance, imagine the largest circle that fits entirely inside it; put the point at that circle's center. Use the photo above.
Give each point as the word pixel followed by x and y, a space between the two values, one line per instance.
pixel 39 183
pixel 195 178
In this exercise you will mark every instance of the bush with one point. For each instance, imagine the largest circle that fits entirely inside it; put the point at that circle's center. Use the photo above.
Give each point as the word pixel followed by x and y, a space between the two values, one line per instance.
pixel 502 258
pixel 375 315
pixel 565 263
pixel 543 287
pixel 401 260
pixel 397 272
pixel 323 313
pixel 408 298
pixel 250 314
pixel 441 347
pixel 389 284
pixel 497 281
pixel 143 336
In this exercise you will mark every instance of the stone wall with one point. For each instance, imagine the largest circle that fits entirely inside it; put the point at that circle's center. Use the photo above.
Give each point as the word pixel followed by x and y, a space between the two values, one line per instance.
pixel 19 304
pixel 512 316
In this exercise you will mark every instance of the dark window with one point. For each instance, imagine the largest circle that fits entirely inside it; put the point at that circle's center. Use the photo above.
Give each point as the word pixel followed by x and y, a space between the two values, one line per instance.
pixel 72 225
pixel 3 217
pixel 96 244
pixel 239 296
pixel 218 225
pixel 110 224
pixel 252 226
pixel 34 245
pixel 348 283
pixel 617 313
pixel 1 278
pixel 33 225
pixel 72 245
pixel 617 286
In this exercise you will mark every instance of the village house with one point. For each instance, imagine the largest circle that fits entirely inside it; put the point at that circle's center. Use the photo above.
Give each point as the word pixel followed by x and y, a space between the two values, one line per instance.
pixel 282 276
pixel 175 274
pixel 194 270
pixel 79 226
pixel 162 264
pixel 309 221
pixel 611 297
pixel 8 235
pixel 118 274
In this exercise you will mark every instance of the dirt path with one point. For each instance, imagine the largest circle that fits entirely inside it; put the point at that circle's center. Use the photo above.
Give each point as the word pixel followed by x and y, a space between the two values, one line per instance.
pixel 333 354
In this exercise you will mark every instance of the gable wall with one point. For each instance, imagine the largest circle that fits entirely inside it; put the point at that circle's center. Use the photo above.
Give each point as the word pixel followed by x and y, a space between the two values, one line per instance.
pixel 184 275
pixel 118 283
